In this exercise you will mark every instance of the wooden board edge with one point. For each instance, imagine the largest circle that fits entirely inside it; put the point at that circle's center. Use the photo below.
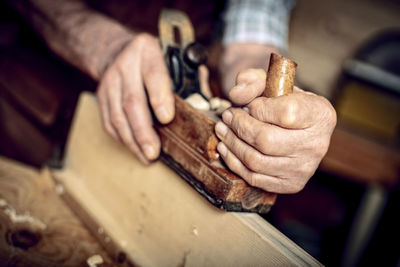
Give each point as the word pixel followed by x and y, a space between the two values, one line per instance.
pixel 116 252
pixel 279 240
pixel 255 224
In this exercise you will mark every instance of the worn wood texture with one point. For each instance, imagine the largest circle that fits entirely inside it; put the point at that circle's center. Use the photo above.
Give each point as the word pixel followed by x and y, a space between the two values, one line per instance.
pixel 195 129
pixel 36 227
pixel 191 142
pixel 280 77
pixel 155 216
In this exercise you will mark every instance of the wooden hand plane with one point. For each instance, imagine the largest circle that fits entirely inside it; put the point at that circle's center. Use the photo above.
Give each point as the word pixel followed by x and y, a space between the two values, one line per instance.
pixel 189 142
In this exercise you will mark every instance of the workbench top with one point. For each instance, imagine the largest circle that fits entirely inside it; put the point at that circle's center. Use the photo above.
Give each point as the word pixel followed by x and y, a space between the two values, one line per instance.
pixel 36 226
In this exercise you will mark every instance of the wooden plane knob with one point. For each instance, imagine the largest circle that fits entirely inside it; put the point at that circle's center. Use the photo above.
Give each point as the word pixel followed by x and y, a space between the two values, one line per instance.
pixel 280 76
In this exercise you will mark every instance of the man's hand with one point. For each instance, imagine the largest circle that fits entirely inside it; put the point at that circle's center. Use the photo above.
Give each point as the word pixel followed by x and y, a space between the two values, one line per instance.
pixel 137 76
pixel 275 144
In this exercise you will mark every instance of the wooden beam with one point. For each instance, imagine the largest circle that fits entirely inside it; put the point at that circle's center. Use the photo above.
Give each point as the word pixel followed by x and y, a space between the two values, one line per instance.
pixel 154 216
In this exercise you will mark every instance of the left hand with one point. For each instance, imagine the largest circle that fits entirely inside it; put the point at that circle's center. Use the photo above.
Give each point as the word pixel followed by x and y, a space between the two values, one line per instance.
pixel 277 143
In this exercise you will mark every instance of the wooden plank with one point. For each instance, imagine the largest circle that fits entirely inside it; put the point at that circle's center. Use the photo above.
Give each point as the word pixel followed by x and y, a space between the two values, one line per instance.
pixel 36 227
pixel 155 216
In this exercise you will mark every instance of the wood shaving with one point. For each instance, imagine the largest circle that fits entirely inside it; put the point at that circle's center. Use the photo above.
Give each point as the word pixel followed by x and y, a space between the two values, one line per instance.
pixel 20 218
pixel 198 102
pixel 94 260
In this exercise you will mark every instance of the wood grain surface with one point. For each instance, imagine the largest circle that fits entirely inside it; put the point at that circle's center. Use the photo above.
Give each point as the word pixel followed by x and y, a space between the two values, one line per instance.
pixel 36 227
pixel 191 142
pixel 155 216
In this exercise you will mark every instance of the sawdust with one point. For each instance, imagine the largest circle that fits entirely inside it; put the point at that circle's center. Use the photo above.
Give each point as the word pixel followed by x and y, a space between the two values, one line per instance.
pixel 94 260
pixel 20 218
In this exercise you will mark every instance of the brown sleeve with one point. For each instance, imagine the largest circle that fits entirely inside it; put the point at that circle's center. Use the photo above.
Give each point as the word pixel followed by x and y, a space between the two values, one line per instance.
pixel 83 37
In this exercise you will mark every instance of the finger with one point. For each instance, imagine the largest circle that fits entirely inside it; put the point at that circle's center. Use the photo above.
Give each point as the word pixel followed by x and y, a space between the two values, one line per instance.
pixel 120 122
pixel 204 84
pixel 265 182
pixel 158 84
pixel 267 138
pixel 138 114
pixel 250 83
pixel 251 158
pixel 299 110
pixel 104 111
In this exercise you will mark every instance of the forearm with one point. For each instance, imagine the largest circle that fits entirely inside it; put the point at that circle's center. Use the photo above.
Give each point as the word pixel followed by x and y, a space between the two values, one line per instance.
pixel 85 38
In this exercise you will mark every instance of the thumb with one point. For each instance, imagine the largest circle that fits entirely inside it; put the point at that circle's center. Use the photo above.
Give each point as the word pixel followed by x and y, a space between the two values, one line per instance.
pixel 250 83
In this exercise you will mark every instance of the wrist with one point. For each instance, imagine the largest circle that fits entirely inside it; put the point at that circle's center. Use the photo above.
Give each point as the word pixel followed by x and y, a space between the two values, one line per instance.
pixel 112 47
pixel 135 41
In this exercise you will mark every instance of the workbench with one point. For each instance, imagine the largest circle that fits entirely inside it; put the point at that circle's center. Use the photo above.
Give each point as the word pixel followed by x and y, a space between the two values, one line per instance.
pixel 36 227
pixel 145 216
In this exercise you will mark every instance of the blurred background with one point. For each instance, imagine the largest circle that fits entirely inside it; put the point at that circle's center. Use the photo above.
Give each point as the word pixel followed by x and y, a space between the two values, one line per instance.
pixel 347 51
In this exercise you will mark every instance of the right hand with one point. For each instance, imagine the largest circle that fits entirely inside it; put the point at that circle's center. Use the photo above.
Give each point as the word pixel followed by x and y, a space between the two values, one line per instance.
pixel 137 76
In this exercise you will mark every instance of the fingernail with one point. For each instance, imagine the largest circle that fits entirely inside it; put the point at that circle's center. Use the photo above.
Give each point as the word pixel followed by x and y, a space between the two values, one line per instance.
pixel 149 151
pixel 222 149
pixel 164 115
pixel 246 109
pixel 221 129
pixel 227 117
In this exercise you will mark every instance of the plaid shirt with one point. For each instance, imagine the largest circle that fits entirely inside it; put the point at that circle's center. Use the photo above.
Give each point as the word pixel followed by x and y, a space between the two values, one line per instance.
pixel 258 21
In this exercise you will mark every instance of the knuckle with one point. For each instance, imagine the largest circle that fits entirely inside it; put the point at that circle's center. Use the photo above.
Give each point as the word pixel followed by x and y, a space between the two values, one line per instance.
pixel 320 148
pixel 145 38
pixel 332 116
pixel 252 179
pixel 238 120
pixel 254 161
pixel 120 67
pixel 117 121
pixel 299 177
pixel 263 139
pixel 141 135
pixel 306 170
pixel 329 115
pixel 291 185
pixel 257 108
pixel 151 67
pixel 232 143
pixel 130 101
pixel 295 188
pixel 289 113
